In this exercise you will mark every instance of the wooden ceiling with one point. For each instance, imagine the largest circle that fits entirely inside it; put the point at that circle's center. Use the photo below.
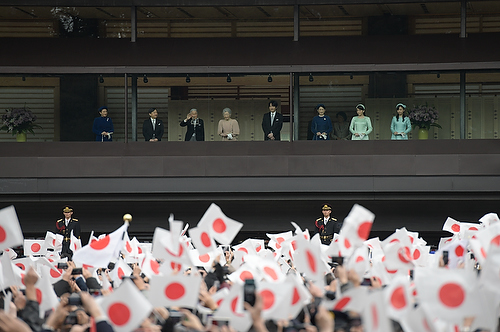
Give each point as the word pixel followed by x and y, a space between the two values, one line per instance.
pixel 250 12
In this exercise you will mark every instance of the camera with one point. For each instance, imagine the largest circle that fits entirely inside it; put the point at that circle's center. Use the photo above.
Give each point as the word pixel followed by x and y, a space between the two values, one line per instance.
pixel 76 271
pixel 62 266
pixel 95 292
pixel 71 319
pixel 220 322
pixel 75 299
pixel 337 260
pixel 249 292
pixel 445 257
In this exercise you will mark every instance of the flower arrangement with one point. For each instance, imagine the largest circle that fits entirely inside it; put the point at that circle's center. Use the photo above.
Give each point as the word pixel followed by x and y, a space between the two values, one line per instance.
pixel 18 121
pixel 424 117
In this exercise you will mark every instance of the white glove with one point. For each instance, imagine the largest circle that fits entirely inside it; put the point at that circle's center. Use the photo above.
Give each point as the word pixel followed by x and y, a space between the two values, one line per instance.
pixel 229 136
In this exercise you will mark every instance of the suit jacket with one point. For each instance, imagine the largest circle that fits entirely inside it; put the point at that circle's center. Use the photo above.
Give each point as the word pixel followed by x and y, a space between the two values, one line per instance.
pixel 147 129
pixel 275 127
pixel 199 130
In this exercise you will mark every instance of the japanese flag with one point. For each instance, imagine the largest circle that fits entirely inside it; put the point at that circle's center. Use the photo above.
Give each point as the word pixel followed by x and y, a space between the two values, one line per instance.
pixel 275 299
pixel 92 238
pixel 380 272
pixel 277 239
pixel 120 270
pixel 457 251
pixel 11 234
pixel 75 243
pixel 374 315
pixel 10 252
pixel 243 273
pixel 308 260
pixel 269 269
pixel 202 239
pixel 24 263
pixel 149 266
pixel 359 261
pixel 453 226
pixel 204 260
pixel 12 275
pixel 99 253
pixel 446 294
pixel 416 320
pixel 490 271
pixel 232 308
pixel 34 247
pixel 299 295
pixel 351 300
pixel 398 297
pixel 489 219
pixel 126 307
pixel 175 290
pixel 398 256
pixel 224 229
pixel 130 249
pixel 357 225
pixel 420 255
pixel 247 246
pixel 45 295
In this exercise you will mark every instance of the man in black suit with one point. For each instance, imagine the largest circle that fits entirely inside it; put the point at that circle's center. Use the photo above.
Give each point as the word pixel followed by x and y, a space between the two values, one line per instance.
pixel 152 128
pixel 64 227
pixel 195 128
pixel 327 225
pixel 272 122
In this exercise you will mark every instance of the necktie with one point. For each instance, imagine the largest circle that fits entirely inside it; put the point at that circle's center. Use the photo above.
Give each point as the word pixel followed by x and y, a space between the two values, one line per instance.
pixel 272 118
pixel 154 123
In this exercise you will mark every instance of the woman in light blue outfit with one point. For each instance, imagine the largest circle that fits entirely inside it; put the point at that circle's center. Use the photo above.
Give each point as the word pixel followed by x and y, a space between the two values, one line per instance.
pixel 361 125
pixel 400 125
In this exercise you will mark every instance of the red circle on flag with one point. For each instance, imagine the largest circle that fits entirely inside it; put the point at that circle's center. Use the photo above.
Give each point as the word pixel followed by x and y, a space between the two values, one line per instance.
pixel 139 250
pixel 267 299
pixel 398 299
pixel 394 240
pixel 452 295
pixel 21 266
pixel 175 291
pixel 411 239
pixel 296 296
pixel 294 245
pixel 154 266
pixel 55 274
pixel 404 254
pixel 119 313
pixel 483 253
pixel 128 247
pixel 459 251
pixel 258 248
pixel 496 240
pixel 181 250
pixel 374 317
pixel 246 275
pixel 473 229
pixel 455 227
pixel 54 242
pixel 35 247
pixel 120 273
pixel 3 234
pixel 311 261
pixel 347 244
pixel 342 303
pixel 280 239
pixel 205 239
pixel 219 225
pixel 270 272
pixel 364 230
pixel 100 244
pixel 22 279
pixel 391 271
pixel 175 266
pixel 204 258
pixel 426 325
pixel 243 249
pixel 359 259
pixel 39 296
pixel 416 254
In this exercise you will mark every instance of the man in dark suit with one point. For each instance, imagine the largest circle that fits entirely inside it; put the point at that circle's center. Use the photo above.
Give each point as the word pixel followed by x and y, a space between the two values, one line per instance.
pixel 195 128
pixel 327 225
pixel 152 128
pixel 272 122
pixel 64 227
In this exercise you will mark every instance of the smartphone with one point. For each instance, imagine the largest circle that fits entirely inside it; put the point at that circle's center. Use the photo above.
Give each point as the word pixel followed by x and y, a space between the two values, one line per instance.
pixel 220 322
pixel 62 266
pixel 95 292
pixel 366 282
pixel 337 260
pixel 76 271
pixel 445 257
pixel 249 291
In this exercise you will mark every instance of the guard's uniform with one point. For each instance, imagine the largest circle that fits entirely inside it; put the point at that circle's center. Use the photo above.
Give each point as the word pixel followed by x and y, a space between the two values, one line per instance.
pixel 327 230
pixel 65 231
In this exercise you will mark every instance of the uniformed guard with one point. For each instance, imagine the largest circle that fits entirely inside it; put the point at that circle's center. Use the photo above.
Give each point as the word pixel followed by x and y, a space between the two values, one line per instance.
pixel 64 227
pixel 326 226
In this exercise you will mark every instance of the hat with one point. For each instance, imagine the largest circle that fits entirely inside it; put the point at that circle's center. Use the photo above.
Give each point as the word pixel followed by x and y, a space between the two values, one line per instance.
pixel 68 208
pixel 326 207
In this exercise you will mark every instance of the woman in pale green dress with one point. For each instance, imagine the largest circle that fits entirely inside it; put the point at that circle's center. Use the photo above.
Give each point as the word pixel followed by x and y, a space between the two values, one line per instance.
pixel 361 125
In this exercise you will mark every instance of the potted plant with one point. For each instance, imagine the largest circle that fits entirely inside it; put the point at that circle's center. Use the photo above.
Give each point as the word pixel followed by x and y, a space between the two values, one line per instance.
pixel 19 121
pixel 424 117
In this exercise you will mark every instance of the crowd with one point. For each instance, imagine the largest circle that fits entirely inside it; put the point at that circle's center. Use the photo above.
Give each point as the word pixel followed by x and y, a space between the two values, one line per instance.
pixel 290 282
pixel 321 126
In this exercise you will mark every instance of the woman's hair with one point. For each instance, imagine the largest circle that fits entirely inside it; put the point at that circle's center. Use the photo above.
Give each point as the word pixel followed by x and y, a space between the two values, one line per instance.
pixel 318 106
pixel 404 111
pixel 342 114
pixel 273 103
pixel 227 109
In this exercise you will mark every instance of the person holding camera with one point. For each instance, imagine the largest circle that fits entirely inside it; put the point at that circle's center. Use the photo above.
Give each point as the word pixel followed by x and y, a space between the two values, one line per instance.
pixel 64 227
pixel 326 226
